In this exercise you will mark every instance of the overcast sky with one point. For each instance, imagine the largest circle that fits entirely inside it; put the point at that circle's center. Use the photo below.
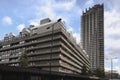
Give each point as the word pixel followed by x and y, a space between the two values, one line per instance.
pixel 17 14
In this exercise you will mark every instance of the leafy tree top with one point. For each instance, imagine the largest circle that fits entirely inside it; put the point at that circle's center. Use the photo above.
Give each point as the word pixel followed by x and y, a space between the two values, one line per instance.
pixel 100 72
pixel 24 58
pixel 84 70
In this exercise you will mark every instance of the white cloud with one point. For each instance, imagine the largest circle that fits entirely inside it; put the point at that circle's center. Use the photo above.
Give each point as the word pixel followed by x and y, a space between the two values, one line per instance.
pixel 48 11
pixel 20 27
pixel 75 35
pixel 70 29
pixel 89 3
pixel 35 22
pixel 7 20
pixel 107 69
pixel 66 5
pixel 69 5
pixel 114 59
pixel 112 30
pixel 58 9
pixel 112 22
pixel 115 4
pixel 112 36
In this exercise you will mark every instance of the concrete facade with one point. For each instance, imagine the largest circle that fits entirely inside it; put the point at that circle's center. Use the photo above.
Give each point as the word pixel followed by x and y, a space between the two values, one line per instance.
pixel 49 47
pixel 9 73
pixel 92 35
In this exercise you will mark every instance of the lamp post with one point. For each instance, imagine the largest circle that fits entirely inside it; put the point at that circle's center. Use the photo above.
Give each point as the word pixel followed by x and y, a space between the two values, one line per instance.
pixel 111 59
pixel 52 43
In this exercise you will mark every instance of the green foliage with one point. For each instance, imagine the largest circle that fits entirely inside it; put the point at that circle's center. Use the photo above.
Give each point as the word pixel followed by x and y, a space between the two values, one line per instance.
pixel 84 70
pixel 90 72
pixel 100 72
pixel 24 59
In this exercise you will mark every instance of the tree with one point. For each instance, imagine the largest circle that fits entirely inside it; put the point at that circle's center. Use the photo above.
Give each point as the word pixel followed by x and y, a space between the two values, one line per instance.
pixel 90 73
pixel 84 70
pixel 100 72
pixel 24 59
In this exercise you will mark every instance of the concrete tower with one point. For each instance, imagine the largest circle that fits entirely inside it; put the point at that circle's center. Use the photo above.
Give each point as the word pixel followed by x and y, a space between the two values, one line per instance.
pixel 92 35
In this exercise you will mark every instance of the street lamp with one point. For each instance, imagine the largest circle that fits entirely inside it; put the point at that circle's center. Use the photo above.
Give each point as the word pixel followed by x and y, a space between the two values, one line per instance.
pixel 52 42
pixel 111 59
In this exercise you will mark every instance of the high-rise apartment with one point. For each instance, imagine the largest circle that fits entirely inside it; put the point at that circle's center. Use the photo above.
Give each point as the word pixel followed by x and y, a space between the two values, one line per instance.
pixel 92 35
pixel 49 46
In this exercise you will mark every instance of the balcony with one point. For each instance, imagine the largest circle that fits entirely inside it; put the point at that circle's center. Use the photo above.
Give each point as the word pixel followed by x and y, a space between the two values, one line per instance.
pixel 4 62
pixel 44 51
pixel 13 61
pixel 30 43
pixel 46 58
pixel 45 64
pixel 14 56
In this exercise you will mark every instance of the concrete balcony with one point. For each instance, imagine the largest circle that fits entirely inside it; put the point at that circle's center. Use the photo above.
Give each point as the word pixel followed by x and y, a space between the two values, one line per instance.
pixel 71 63
pixel 14 61
pixel 4 62
pixel 46 64
pixel 47 58
pixel 30 43
pixel 14 56
pixel 44 51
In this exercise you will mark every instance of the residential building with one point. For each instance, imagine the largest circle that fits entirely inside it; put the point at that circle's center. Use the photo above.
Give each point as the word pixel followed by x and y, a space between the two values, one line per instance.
pixel 49 46
pixel 92 35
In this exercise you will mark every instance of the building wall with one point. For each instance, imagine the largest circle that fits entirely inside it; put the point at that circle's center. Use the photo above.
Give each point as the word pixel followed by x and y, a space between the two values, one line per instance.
pixel 92 34
pixel 49 47
pixel 9 73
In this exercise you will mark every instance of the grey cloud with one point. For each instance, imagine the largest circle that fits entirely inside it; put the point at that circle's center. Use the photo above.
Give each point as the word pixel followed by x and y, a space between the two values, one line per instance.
pixel 114 51
pixel 114 37
pixel 80 3
pixel 112 4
